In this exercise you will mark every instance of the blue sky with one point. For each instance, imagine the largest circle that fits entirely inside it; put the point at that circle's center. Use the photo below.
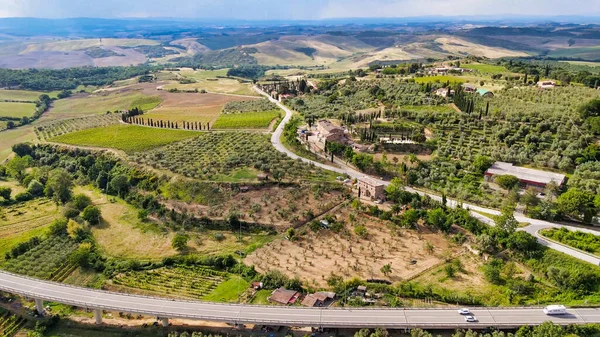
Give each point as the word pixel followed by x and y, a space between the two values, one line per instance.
pixel 291 9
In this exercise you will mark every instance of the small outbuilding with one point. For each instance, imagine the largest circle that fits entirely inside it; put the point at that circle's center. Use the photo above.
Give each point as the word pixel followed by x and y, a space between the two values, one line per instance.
pixel 318 299
pixel 284 296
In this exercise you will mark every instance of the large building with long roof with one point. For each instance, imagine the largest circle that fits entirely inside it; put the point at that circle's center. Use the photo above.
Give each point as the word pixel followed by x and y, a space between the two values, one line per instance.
pixel 537 179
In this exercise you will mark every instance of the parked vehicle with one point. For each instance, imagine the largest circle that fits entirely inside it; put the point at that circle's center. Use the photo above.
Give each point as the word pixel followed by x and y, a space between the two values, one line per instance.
pixel 557 309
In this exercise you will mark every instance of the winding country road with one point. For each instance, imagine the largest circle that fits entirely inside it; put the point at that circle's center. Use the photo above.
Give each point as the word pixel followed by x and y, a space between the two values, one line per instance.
pixel 533 228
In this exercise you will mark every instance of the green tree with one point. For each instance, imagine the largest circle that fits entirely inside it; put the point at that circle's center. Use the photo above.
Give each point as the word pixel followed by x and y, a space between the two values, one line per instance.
pixel 522 242
pixel 58 227
pixel 482 163
pixel 180 241
pixel 577 204
pixel 59 186
pixel 5 192
pixel 91 214
pixel 590 109
pixel 548 329
pixel 506 221
pixel 81 255
pixel 16 167
pixel 119 184
pixel 507 181
pixel 437 218
pixel 35 188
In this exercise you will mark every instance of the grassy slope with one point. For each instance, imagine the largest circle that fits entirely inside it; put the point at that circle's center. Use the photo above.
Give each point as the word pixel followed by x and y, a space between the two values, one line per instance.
pixel 10 137
pixel 16 109
pixel 24 95
pixel 228 291
pixel 129 138
pixel 121 234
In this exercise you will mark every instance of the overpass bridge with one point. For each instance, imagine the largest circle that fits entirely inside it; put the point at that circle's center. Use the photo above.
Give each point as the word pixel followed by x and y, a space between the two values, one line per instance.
pixel 391 318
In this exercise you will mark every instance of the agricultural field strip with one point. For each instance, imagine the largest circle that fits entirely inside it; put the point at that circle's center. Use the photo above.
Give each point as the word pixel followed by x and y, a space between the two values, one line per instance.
pixel 326 317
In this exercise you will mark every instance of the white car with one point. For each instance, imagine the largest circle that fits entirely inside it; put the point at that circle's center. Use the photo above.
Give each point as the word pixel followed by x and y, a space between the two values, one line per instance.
pixel 464 311
pixel 470 318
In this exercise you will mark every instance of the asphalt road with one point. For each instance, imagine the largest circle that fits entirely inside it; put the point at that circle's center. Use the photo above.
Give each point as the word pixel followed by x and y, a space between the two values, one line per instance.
pixel 533 228
pixel 290 316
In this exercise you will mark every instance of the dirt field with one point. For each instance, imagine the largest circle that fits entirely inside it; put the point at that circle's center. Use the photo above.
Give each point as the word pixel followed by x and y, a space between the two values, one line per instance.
pixel 317 255
pixel 191 107
pixel 275 206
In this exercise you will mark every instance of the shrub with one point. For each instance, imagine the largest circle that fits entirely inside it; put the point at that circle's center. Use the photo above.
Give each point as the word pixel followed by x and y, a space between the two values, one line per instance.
pixel 81 201
pixel 180 241
pixel 92 215
pixel 23 196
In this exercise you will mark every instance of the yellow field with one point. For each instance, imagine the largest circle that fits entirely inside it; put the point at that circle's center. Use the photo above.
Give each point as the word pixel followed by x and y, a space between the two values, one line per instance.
pixel 24 95
pixel 121 234
pixel 101 103
pixel 71 45
pixel 207 80
pixel 9 138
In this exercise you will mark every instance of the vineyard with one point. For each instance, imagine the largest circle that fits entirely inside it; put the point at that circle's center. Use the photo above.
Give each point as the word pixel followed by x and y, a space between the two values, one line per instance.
pixel 218 156
pixel 249 106
pixel 10 324
pixel 48 260
pixel 181 281
pixel 129 138
pixel 247 120
pixel 56 128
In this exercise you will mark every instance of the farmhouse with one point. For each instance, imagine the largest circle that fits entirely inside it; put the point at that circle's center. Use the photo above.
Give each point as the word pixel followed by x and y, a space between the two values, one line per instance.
pixel 370 188
pixel 330 133
pixel 284 296
pixel 485 93
pixel 546 84
pixel 444 92
pixel 527 177
pixel 318 299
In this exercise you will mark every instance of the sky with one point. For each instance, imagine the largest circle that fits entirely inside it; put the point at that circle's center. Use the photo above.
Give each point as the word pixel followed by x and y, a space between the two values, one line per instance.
pixel 291 9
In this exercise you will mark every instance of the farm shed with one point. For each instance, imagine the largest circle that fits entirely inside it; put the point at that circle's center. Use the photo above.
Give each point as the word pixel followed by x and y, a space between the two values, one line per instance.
pixel 537 179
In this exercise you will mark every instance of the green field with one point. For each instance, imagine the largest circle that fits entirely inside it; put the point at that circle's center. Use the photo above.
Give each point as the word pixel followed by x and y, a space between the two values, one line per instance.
pixel 250 120
pixel 23 95
pixel 228 291
pixel 442 78
pixel 129 138
pixel 485 68
pixel 211 81
pixel 101 103
pixel 16 109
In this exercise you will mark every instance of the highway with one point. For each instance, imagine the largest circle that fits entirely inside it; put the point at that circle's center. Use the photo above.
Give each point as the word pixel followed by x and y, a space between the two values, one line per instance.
pixel 533 228
pixel 289 316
